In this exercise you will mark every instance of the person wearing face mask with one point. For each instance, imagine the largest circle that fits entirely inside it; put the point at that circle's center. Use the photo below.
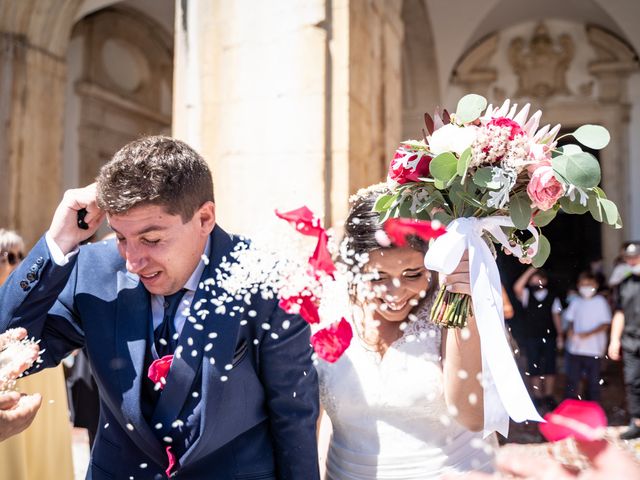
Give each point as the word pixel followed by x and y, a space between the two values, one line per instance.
pixel 542 333
pixel 625 335
pixel 404 399
pixel 589 317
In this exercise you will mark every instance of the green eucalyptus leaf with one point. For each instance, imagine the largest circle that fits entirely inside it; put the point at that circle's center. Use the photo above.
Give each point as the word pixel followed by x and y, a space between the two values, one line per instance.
pixel 610 211
pixel 595 208
pixel 583 170
pixel 444 166
pixel 520 209
pixel 570 149
pixel 383 203
pixel 463 163
pixel 544 218
pixel 483 177
pixel 440 185
pixel 559 165
pixel 592 136
pixel 544 249
pixel 573 207
pixel 443 217
pixel 470 107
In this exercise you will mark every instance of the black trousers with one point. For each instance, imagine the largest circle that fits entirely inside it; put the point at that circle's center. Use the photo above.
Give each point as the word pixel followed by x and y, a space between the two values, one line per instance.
pixel 579 367
pixel 631 359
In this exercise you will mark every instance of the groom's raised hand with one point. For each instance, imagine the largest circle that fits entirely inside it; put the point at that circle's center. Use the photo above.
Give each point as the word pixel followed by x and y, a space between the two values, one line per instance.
pixel 64 229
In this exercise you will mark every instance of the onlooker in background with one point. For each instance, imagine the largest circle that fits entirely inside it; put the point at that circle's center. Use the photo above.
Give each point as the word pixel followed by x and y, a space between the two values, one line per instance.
pixel 625 335
pixel 542 333
pixel 589 317
pixel 11 248
pixel 45 446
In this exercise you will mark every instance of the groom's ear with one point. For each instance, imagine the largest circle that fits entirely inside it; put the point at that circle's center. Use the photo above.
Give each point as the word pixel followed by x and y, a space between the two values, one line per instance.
pixel 206 215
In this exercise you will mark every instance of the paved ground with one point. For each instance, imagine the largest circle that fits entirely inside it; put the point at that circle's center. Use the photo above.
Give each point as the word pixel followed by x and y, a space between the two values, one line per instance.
pixel 523 438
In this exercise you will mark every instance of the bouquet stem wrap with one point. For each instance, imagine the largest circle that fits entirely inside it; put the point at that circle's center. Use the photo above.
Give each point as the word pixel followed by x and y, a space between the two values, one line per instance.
pixel 505 395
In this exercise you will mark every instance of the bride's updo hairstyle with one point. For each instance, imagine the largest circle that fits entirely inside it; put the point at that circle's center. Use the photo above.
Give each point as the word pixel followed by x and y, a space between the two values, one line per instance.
pixel 363 233
pixel 363 230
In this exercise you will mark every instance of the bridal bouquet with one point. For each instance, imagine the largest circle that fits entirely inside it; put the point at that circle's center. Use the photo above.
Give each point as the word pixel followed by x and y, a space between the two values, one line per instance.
pixel 494 171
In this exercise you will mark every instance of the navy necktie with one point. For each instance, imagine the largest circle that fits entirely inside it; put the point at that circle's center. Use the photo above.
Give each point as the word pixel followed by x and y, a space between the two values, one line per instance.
pixel 163 336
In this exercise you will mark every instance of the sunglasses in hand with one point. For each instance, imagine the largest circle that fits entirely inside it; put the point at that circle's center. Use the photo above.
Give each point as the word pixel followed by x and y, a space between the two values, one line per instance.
pixel 11 258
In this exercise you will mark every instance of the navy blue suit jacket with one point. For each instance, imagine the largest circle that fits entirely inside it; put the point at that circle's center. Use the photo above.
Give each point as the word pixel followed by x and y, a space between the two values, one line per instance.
pixel 242 399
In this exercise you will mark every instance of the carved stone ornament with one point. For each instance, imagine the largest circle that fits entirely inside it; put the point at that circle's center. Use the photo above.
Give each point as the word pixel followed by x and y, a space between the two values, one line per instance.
pixel 541 63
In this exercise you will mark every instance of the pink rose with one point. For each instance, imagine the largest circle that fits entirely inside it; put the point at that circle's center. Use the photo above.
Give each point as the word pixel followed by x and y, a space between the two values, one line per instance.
pixel 159 369
pixel 331 342
pixel 544 189
pixel 409 165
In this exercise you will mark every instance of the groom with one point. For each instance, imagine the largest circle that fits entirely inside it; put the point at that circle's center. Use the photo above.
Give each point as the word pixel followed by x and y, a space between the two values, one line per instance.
pixel 240 400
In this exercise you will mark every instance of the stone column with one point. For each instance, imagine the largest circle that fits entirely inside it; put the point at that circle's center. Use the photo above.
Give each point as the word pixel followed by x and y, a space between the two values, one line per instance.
pixel 290 102
pixel 32 79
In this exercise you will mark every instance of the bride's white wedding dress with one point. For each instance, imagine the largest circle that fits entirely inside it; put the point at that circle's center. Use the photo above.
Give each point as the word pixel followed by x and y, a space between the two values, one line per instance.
pixel 389 416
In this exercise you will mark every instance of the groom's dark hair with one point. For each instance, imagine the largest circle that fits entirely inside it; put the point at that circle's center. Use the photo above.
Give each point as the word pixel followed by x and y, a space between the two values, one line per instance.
pixel 155 171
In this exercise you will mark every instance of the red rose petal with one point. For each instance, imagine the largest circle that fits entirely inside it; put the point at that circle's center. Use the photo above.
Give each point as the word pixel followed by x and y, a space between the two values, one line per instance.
pixel 321 259
pixel 397 229
pixel 159 369
pixel 302 304
pixel 172 461
pixel 303 220
pixel 580 419
pixel 331 342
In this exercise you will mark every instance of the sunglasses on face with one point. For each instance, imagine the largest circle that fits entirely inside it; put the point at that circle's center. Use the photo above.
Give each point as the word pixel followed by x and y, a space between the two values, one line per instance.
pixel 11 258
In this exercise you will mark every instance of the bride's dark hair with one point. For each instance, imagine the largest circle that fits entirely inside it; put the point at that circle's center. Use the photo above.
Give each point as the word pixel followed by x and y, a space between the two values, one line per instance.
pixel 361 232
pixel 363 224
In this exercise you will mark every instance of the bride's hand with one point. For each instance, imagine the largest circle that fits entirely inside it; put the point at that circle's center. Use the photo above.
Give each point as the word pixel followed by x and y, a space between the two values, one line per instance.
pixel 459 281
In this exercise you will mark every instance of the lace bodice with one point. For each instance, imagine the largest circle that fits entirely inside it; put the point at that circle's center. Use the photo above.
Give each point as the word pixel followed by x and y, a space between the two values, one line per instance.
pixel 389 415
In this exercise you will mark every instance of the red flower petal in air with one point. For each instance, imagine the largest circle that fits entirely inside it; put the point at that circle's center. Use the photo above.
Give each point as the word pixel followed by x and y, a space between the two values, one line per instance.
pixel 331 342
pixel 397 229
pixel 582 420
pixel 159 369
pixel 321 259
pixel 172 461
pixel 303 220
pixel 304 305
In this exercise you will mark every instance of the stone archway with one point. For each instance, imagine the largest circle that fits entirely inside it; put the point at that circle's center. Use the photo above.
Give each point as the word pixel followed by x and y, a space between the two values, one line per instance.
pixel 576 74
pixel 119 87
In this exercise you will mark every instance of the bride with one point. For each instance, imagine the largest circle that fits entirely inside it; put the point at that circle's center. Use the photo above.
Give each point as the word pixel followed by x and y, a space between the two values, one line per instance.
pixel 404 400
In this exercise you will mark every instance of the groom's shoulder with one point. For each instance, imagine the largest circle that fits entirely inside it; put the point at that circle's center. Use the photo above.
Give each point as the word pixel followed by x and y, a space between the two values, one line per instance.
pixel 100 254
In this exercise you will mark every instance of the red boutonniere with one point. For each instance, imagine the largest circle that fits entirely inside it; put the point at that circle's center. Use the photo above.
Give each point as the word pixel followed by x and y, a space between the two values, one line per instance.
pixel 159 369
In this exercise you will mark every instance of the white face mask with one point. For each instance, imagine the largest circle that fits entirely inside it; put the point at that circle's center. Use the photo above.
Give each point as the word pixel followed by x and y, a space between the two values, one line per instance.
pixel 587 292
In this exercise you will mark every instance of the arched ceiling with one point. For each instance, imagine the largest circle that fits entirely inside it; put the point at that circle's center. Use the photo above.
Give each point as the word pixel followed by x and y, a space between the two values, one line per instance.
pixel 458 25
pixel 162 11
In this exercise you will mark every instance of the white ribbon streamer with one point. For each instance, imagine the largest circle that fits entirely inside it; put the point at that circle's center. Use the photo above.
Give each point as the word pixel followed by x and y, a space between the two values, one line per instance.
pixel 504 392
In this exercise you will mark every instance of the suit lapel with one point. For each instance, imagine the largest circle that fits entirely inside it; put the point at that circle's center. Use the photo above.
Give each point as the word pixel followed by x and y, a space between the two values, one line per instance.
pixel 132 323
pixel 207 325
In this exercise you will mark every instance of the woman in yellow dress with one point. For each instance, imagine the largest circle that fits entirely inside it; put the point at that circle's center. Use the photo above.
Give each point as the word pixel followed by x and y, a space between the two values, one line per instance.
pixel 44 449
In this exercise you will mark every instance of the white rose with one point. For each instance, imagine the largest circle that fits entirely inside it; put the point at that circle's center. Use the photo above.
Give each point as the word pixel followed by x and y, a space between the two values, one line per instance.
pixel 452 138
